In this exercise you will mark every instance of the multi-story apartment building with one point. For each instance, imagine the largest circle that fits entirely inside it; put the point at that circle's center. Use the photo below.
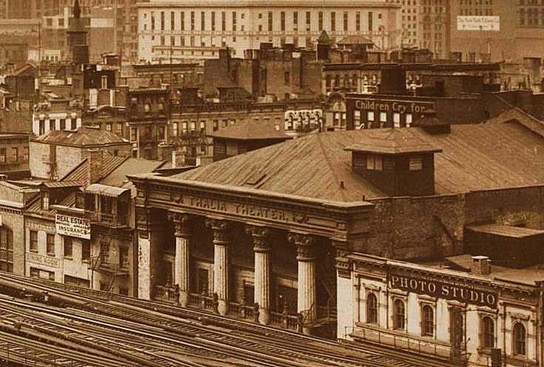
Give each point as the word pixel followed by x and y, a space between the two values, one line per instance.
pixel 187 30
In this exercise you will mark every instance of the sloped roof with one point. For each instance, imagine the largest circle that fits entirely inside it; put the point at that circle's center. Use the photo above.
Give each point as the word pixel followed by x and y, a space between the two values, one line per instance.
pixel 473 157
pixel 518 115
pixel 506 231
pixel 80 172
pixel 252 130
pixel 83 136
pixel 118 177
pixel 355 40
pixel 394 141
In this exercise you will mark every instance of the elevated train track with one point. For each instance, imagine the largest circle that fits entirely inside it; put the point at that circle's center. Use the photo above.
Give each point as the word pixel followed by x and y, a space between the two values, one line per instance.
pixel 85 327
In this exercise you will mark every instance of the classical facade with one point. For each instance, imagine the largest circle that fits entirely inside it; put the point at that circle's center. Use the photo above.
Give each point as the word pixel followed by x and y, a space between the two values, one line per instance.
pixel 268 227
pixel 190 31
pixel 479 317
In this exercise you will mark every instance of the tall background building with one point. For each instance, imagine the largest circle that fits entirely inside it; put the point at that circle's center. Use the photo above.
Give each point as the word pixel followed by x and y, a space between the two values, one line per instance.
pixel 192 30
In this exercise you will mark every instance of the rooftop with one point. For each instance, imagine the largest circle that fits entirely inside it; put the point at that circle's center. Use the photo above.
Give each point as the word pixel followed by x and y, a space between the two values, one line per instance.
pixel 82 137
pixel 506 231
pixel 394 141
pixel 252 130
pixel 319 166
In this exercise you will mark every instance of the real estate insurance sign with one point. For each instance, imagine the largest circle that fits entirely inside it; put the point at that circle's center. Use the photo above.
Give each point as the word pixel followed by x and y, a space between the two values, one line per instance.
pixel 73 226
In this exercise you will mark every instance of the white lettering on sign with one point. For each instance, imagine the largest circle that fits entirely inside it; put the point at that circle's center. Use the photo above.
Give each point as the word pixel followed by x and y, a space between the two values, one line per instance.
pixel 400 107
pixel 73 226
pixel 42 260
pixel 478 23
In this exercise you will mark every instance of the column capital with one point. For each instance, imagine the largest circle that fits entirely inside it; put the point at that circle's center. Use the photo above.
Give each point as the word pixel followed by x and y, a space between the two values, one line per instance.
pixel 304 243
pixel 261 237
pixel 143 221
pixel 220 228
pixel 181 224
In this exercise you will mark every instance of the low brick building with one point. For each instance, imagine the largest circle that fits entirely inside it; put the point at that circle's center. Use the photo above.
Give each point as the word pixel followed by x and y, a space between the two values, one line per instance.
pixel 56 153
pixel 14 155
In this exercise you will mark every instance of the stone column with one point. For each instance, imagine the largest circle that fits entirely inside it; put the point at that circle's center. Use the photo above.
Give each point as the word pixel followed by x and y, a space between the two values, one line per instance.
pixel 221 262
pixel 306 297
pixel 146 254
pixel 182 233
pixel 261 247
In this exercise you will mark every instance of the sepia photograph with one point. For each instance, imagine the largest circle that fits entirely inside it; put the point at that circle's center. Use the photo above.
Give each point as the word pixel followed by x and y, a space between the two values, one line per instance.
pixel 282 183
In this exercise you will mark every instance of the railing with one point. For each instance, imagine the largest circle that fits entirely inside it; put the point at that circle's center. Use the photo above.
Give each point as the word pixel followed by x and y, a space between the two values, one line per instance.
pixel 284 320
pixel 166 294
pixel 203 301
pixel 404 342
pixel 242 311
pixel 115 220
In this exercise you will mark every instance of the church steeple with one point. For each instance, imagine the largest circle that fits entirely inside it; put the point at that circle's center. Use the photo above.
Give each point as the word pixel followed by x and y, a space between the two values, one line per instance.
pixel 77 37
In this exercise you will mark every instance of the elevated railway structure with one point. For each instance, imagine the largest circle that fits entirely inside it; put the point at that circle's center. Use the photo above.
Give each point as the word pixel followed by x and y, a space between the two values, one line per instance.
pixel 51 324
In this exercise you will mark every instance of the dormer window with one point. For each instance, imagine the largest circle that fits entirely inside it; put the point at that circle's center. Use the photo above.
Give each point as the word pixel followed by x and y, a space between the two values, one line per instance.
pixel 374 162
pixel 416 163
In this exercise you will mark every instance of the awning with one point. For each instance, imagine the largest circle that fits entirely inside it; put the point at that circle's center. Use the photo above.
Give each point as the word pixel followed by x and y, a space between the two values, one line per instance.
pixel 105 190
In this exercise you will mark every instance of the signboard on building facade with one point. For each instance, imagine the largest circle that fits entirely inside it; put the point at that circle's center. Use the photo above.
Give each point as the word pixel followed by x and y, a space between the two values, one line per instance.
pixel 49 261
pixel 444 290
pixel 395 106
pixel 478 23
pixel 303 120
pixel 73 226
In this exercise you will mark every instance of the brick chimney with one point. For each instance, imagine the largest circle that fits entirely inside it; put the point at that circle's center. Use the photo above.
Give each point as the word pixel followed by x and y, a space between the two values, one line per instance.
pixel 95 160
pixel 481 265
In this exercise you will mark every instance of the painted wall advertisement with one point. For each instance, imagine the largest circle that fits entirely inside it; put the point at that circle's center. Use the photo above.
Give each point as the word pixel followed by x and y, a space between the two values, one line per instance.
pixel 73 226
pixel 478 23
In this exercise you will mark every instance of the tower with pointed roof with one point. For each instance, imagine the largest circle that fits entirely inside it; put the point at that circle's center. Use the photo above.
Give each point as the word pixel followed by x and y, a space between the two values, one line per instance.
pixel 77 38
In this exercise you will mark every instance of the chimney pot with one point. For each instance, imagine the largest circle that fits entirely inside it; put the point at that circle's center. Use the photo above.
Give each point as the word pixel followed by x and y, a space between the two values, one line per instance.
pixel 481 265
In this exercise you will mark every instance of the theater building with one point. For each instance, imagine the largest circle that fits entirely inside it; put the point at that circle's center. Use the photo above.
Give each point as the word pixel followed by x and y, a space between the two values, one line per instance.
pixel 269 226
pixel 462 309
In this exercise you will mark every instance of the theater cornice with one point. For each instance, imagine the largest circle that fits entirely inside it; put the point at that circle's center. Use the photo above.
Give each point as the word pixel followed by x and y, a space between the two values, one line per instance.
pixel 340 221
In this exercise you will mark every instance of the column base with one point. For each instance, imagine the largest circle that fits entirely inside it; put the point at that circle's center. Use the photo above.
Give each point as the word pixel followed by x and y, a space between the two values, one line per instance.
pixel 222 307
pixel 184 299
pixel 264 316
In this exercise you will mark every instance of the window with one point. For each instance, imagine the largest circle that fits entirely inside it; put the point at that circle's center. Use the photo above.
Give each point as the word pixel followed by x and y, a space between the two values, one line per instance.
pixel 371 309
pixel 85 250
pixel 62 124
pixel 399 314
pixel 2 155
pixel 202 281
pixel 519 339
pixel 270 21
pixel 374 162
pixel 105 252
pixel 383 117
pixel 6 249
pixel 286 78
pixel 416 164
pixel 50 243
pixel 320 20
pixel 123 257
pixel 346 21
pixel 15 154
pixel 202 127
pixel 396 119
pixel 408 119
pixel 370 116
pixel 333 21
pixel 133 134
pixel 34 241
pixel 68 247
pixel 370 25
pixel 427 321
pixel 282 21
pixel 175 129
pixel 487 335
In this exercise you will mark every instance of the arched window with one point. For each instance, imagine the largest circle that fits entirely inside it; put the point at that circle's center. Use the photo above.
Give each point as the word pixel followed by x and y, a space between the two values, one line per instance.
pixel 399 314
pixel 519 339
pixel 487 332
pixel 371 309
pixel 427 321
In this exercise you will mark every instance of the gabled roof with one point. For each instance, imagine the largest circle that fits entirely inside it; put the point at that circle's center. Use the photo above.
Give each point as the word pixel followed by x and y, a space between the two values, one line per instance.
pixel 83 137
pixel 355 40
pixel 394 141
pixel 473 157
pixel 518 115
pixel 324 38
pixel 252 130
pixel 80 172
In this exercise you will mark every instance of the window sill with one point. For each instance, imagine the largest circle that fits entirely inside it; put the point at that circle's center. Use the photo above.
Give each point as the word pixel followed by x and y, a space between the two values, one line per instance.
pixel 51 254
pixel 68 257
pixel 33 251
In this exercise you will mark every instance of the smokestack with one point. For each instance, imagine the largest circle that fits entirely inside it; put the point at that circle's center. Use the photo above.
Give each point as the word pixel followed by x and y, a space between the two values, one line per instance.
pixel 95 161
pixel 481 265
